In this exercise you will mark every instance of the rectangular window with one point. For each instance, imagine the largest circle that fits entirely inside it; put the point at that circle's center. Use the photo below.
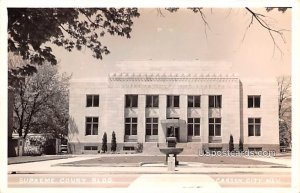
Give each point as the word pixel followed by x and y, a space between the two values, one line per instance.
pixel 172 101
pixel 92 100
pixel 131 101
pixel 128 148
pixel 194 101
pixel 193 126
pixel 131 126
pixel 152 101
pixel 254 125
pixel 254 101
pixel 215 149
pixel 152 126
pixel 90 148
pixel 214 126
pixel 91 125
pixel 215 101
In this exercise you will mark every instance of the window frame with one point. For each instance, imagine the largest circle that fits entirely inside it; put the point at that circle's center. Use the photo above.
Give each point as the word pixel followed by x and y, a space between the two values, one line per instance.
pixel 132 126
pixel 215 103
pixel 253 98
pixel 150 99
pixel 152 123
pixel 132 102
pixel 92 100
pixel 254 123
pixel 171 101
pixel 215 125
pixel 193 125
pixel 90 148
pixel 93 131
pixel 193 103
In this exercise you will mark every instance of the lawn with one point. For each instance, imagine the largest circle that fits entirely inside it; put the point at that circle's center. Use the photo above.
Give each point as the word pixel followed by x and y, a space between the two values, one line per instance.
pixel 160 159
pixel 25 159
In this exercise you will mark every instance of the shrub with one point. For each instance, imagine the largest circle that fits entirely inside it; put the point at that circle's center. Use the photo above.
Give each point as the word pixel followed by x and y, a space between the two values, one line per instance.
pixel 104 143
pixel 231 144
pixel 241 145
pixel 113 142
pixel 32 150
pixel 139 148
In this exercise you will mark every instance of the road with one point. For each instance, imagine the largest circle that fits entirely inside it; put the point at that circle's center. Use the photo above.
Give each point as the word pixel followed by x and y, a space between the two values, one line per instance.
pixel 275 179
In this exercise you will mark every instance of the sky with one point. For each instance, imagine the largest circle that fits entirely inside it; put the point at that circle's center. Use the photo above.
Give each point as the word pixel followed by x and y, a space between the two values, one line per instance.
pixel 181 36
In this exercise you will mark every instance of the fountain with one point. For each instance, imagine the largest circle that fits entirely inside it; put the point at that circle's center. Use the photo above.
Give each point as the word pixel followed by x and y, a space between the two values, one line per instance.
pixel 171 148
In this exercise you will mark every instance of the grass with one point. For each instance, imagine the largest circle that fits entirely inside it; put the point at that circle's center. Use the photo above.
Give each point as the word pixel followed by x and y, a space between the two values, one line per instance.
pixel 25 159
pixel 160 159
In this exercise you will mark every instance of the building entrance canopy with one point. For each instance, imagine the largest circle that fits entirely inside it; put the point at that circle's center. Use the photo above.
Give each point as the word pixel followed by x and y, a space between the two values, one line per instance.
pixel 172 123
pixel 172 127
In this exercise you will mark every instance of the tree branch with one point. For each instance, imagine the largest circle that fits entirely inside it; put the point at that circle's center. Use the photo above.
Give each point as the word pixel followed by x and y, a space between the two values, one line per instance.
pixel 260 19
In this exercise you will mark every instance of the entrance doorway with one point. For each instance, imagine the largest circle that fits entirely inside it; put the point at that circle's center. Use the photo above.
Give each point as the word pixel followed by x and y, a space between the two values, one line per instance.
pixel 173 132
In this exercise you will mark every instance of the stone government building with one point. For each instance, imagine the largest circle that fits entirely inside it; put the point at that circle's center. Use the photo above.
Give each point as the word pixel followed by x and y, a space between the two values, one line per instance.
pixel 203 101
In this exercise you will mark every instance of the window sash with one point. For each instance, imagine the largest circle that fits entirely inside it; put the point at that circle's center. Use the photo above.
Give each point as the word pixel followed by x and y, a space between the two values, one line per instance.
pixel 131 101
pixel 152 101
pixel 91 125
pixel 92 100
pixel 215 101
pixel 215 127
pixel 131 126
pixel 193 126
pixel 254 101
pixel 254 126
pixel 152 126
pixel 173 101
pixel 194 101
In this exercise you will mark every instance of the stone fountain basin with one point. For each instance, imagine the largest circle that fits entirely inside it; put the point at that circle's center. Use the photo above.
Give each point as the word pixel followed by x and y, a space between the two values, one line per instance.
pixel 171 150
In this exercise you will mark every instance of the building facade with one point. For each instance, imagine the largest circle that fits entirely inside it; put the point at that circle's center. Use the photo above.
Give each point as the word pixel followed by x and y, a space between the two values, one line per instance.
pixel 201 104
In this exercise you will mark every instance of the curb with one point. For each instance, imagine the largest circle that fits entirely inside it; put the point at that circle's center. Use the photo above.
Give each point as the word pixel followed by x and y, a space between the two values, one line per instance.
pixel 132 172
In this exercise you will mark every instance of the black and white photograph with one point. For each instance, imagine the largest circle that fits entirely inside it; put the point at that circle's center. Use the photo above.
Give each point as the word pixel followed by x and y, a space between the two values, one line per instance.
pixel 133 98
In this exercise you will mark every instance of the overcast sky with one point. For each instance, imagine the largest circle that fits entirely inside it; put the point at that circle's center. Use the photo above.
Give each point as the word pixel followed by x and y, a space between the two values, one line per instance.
pixel 181 36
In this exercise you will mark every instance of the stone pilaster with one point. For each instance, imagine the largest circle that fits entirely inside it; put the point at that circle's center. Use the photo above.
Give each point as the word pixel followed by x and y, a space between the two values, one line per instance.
pixel 204 119
pixel 162 116
pixel 183 116
pixel 141 118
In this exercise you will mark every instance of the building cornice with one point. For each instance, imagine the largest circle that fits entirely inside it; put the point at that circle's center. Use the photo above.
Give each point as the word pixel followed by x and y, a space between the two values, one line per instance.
pixel 170 76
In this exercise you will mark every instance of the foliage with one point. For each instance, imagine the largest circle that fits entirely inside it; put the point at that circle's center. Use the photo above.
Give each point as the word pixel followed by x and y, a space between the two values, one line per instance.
pixel 38 97
pixel 231 144
pixel 32 150
pixel 113 142
pixel 30 30
pixel 241 145
pixel 139 147
pixel 104 143
pixel 285 111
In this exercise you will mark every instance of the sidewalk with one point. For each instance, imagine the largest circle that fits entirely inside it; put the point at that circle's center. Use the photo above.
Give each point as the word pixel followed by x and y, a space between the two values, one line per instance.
pixel 275 160
pixel 55 166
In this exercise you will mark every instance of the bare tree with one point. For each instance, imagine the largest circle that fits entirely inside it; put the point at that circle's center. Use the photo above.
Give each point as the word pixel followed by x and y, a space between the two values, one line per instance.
pixel 40 99
pixel 285 112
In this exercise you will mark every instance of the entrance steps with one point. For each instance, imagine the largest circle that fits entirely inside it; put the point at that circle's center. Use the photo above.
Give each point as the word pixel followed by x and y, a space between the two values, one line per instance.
pixel 151 148
pixel 190 148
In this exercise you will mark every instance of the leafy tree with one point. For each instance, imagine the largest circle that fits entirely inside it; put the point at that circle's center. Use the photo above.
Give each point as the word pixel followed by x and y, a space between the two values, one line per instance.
pixel 104 143
pixel 113 142
pixel 285 111
pixel 231 145
pixel 37 97
pixel 31 31
pixel 241 145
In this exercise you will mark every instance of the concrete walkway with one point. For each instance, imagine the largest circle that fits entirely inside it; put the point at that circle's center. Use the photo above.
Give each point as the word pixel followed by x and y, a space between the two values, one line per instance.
pixel 276 160
pixel 52 166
